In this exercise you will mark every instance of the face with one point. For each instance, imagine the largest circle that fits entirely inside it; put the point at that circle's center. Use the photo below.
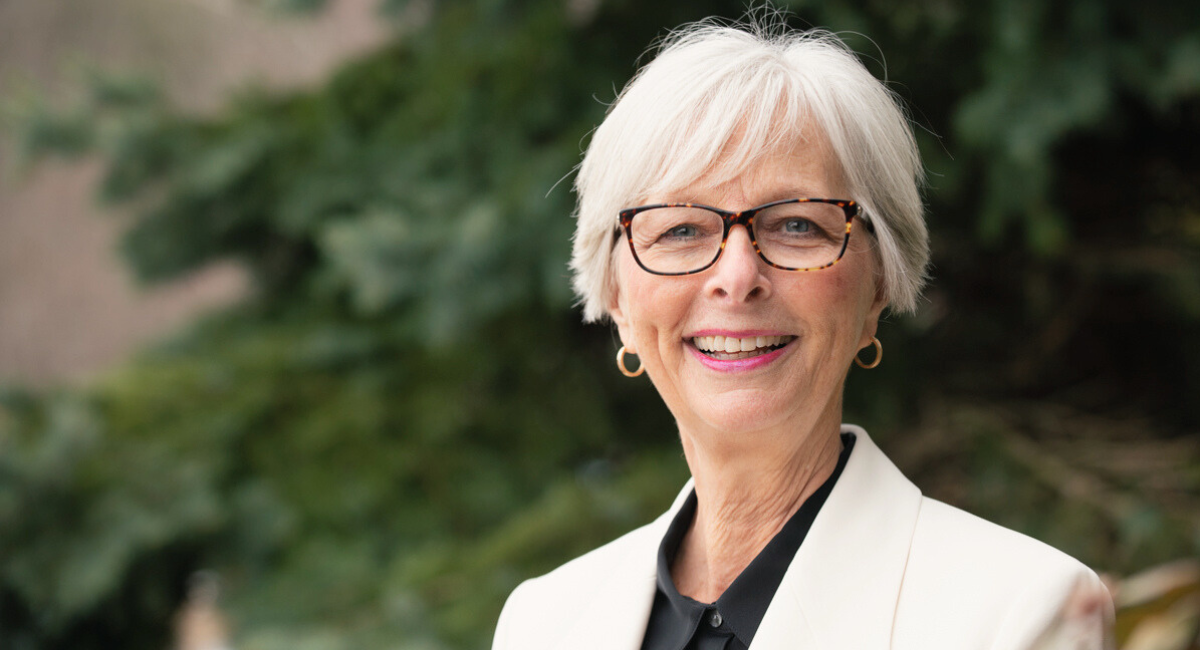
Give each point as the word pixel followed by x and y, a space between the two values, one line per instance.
pixel 818 320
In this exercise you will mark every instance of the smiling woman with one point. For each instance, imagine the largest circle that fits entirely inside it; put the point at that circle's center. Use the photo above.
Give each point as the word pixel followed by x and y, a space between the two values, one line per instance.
pixel 747 210
pixel 825 314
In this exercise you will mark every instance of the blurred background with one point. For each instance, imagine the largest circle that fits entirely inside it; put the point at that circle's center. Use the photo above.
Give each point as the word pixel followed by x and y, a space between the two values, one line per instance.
pixel 288 356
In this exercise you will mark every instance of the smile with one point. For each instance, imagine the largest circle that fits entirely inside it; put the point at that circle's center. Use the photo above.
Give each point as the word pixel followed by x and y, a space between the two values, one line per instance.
pixel 729 348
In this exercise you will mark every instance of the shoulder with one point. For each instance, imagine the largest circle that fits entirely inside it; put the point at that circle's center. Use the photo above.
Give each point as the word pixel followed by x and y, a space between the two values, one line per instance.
pixel 978 579
pixel 540 611
pixel 960 537
pixel 597 562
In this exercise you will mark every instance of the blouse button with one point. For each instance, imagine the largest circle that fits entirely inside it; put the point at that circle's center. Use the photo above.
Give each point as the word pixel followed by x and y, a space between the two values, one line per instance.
pixel 714 619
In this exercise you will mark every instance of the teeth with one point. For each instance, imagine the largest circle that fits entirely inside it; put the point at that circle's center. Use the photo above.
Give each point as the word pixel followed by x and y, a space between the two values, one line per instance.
pixel 732 345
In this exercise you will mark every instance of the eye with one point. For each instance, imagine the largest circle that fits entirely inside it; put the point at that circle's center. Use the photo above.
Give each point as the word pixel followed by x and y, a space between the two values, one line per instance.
pixel 796 226
pixel 682 231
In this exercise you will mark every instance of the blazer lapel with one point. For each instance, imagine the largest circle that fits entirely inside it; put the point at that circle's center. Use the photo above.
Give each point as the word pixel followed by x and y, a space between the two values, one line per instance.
pixel 839 592
pixel 842 587
pixel 625 593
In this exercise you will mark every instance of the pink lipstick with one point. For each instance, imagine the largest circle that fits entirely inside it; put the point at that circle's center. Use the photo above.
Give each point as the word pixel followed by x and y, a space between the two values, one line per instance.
pixel 729 351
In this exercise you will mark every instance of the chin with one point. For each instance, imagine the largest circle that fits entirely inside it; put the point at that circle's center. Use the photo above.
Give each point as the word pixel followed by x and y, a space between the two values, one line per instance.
pixel 746 417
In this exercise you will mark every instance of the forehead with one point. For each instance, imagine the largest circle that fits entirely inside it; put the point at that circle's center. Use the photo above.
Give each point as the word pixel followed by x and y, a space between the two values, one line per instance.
pixel 805 168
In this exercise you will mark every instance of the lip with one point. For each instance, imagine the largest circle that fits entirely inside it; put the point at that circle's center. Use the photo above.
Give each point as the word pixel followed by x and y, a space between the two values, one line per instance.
pixel 738 365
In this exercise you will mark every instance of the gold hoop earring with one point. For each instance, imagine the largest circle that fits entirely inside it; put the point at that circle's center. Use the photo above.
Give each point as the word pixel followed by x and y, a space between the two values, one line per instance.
pixel 878 355
pixel 626 371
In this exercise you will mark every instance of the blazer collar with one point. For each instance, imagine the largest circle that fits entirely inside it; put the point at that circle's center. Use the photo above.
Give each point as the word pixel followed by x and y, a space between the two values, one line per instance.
pixel 839 592
pixel 617 615
pixel 842 588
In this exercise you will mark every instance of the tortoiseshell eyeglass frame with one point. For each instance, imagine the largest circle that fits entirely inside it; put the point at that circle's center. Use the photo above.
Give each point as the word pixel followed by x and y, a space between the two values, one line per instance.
pixel 745 218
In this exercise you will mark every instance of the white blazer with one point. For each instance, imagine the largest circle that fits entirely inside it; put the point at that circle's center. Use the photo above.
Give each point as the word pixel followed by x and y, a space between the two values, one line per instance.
pixel 881 567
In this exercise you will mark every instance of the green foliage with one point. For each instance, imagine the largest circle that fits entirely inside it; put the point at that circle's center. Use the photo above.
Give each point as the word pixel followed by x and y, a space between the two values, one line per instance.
pixel 407 419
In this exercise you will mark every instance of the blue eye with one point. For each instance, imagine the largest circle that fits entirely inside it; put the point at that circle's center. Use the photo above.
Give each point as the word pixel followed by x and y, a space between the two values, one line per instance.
pixel 797 226
pixel 686 230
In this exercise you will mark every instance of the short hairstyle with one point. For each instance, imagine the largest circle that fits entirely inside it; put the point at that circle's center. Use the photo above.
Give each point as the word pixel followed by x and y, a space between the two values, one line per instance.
pixel 713 103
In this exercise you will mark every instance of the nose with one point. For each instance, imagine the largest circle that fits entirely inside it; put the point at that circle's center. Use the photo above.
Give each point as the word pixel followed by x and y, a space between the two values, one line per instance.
pixel 739 274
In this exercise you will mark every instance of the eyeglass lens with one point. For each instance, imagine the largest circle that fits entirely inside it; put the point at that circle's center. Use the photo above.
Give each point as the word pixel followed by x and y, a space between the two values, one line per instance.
pixel 687 239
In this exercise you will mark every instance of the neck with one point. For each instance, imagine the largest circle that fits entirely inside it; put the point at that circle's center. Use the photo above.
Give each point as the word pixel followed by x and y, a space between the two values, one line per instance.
pixel 744 498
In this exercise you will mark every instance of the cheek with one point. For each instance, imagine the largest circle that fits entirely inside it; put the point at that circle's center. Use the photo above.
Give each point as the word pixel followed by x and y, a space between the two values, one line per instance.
pixel 654 306
pixel 657 306
pixel 833 295
pixel 845 299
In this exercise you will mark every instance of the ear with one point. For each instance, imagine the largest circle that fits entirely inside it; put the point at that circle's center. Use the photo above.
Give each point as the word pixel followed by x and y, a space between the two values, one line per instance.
pixel 617 313
pixel 871 322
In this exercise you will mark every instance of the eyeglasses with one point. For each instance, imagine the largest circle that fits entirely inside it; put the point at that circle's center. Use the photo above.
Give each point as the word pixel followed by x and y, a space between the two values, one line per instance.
pixel 792 234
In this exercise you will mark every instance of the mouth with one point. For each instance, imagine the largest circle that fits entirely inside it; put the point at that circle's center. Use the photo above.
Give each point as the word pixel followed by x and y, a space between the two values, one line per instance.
pixel 730 348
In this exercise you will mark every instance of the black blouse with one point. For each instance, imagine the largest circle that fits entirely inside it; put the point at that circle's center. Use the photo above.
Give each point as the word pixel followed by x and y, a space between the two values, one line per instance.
pixel 680 623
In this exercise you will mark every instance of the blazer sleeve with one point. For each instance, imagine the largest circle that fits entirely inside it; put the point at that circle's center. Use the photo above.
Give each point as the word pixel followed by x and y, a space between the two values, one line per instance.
pixel 972 584
pixel 1080 616
pixel 512 607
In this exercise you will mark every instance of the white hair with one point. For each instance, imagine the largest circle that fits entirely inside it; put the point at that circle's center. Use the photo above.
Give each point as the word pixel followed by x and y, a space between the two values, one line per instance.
pixel 715 101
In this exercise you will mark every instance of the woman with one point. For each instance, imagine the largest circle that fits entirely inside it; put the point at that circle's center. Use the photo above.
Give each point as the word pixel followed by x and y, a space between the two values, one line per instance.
pixel 747 210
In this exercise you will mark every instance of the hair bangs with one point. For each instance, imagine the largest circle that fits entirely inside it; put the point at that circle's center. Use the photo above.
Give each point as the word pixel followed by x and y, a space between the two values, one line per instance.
pixel 739 121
